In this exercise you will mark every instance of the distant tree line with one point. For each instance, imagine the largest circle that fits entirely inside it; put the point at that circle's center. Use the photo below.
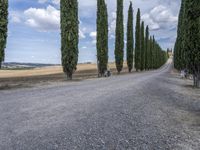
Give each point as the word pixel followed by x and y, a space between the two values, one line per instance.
pixel 148 53
pixel 187 46
pixel 3 28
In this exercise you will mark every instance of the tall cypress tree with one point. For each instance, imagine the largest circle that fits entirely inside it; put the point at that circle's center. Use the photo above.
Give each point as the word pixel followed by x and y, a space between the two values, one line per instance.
pixel 130 38
pixel 157 55
pixel 147 48
pixel 69 36
pixel 192 39
pixel 153 53
pixel 150 53
pixel 181 33
pixel 102 36
pixel 157 62
pixel 179 50
pixel 175 55
pixel 137 43
pixel 3 28
pixel 119 39
pixel 142 65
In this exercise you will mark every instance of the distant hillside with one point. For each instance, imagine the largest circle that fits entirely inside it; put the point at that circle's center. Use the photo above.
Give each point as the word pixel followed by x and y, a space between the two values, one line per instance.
pixel 13 65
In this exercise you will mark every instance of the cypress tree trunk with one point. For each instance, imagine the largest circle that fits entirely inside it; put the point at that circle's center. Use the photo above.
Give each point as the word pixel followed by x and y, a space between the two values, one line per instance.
pixel 137 43
pixel 3 28
pixel 196 77
pixel 69 36
pixel 119 39
pixel 102 37
pixel 130 38
pixel 142 47
pixel 146 48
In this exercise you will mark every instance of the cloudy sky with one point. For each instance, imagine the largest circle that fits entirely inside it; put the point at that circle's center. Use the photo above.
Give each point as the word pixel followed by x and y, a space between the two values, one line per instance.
pixel 34 34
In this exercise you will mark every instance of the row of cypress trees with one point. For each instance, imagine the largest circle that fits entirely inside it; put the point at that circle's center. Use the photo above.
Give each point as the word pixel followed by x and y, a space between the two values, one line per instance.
pixel 187 46
pixel 3 28
pixel 148 53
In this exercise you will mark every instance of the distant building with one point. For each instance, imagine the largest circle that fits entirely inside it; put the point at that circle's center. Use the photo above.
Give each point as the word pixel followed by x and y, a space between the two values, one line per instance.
pixel 170 52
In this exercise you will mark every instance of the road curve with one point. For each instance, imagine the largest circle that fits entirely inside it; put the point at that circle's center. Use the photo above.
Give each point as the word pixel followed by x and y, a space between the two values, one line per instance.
pixel 137 111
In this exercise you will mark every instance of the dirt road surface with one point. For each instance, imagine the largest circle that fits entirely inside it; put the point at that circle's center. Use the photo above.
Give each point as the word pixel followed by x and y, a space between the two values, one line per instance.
pixel 150 110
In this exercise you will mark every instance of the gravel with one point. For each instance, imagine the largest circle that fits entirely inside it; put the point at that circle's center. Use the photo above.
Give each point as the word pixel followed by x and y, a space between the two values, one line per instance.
pixel 150 110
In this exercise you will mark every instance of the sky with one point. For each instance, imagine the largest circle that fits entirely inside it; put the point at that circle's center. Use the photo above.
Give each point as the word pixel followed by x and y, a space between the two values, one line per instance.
pixel 34 28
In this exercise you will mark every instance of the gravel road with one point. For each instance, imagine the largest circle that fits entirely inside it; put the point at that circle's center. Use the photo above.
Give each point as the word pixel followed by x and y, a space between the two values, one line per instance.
pixel 141 111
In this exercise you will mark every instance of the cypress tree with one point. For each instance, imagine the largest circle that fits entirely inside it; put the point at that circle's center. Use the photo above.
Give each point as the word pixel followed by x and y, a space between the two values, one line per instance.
pixel 179 50
pixel 142 65
pixel 175 55
pixel 130 38
pixel 119 39
pixel 150 52
pixel 192 39
pixel 181 34
pixel 153 53
pixel 3 28
pixel 157 61
pixel 69 36
pixel 137 43
pixel 147 48
pixel 157 65
pixel 102 36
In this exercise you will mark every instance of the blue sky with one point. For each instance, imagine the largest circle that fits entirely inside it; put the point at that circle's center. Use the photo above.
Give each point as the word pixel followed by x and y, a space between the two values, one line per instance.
pixel 34 34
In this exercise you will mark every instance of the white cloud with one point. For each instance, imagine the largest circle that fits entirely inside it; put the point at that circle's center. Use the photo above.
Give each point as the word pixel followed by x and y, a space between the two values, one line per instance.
pixel 46 20
pixel 81 34
pixel 162 14
pixel 112 24
pixel 150 22
pixel 93 34
pixel 43 19
pixel 83 47
pixel 160 17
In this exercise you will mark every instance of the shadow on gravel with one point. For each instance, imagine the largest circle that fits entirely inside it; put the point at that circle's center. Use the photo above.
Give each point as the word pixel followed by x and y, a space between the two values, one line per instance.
pixel 12 87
